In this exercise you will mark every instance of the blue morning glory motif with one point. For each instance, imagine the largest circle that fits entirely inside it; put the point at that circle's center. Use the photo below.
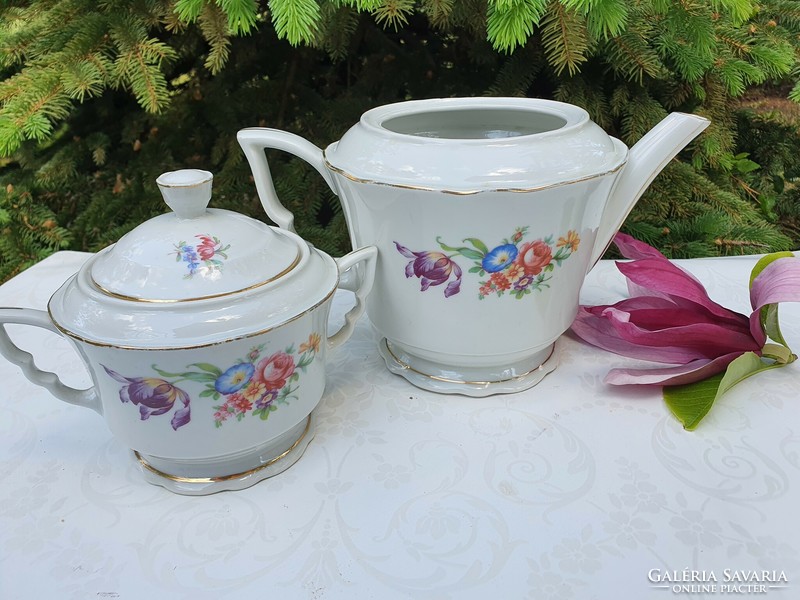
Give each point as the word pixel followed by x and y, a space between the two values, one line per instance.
pixel 499 258
pixel 235 378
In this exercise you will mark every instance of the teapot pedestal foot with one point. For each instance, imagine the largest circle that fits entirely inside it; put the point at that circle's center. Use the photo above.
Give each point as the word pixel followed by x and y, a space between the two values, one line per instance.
pixel 443 379
pixel 235 472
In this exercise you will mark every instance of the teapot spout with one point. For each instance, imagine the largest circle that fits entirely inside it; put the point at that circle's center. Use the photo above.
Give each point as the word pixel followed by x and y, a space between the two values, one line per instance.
pixel 645 160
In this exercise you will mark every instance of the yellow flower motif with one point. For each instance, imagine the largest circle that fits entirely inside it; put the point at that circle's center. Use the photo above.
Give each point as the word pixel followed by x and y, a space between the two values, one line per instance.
pixel 254 391
pixel 514 272
pixel 312 344
pixel 572 241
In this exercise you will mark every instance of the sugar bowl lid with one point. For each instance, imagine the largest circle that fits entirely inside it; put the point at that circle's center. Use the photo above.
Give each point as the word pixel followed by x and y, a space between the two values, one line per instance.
pixel 193 252
pixel 193 277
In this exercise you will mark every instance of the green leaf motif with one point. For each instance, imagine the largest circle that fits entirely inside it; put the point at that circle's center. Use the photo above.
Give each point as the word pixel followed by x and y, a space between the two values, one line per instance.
pixel 199 377
pixel 478 244
pixel 690 403
pixel 462 250
pixel 208 368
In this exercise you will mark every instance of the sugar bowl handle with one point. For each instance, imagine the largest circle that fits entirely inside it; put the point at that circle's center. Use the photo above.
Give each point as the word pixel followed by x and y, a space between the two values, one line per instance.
pixel 360 285
pixel 253 141
pixel 24 360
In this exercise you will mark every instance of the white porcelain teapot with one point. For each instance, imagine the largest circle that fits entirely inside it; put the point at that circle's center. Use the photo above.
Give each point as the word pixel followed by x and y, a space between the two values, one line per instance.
pixel 487 214
pixel 205 335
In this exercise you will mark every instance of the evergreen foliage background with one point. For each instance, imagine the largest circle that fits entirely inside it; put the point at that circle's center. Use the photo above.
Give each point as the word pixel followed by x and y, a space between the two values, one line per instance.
pixel 97 98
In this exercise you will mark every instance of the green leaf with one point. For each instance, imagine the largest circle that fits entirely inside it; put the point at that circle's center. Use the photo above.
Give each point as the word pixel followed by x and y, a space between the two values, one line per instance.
pixel 691 402
pixel 766 261
pixel 207 393
pixel 769 313
pixel 771 325
pixel 745 165
pixel 778 352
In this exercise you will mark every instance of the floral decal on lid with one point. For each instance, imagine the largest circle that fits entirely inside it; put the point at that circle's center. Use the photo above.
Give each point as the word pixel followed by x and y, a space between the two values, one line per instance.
pixel 203 257
pixel 514 266
pixel 256 385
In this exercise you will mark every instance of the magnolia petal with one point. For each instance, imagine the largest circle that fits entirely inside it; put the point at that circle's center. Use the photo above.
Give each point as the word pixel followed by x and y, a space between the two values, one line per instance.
pixel 698 340
pixel 600 331
pixel 695 370
pixel 733 319
pixel 663 277
pixel 630 247
pixel 636 291
pixel 778 282
pixel 656 313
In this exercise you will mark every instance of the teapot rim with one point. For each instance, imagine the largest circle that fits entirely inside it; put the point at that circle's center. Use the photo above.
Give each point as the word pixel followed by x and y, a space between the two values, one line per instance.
pixel 622 151
pixel 574 117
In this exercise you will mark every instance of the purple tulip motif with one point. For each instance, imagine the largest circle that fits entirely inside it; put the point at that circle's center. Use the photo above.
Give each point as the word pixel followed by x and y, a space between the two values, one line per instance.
pixel 153 396
pixel 432 268
pixel 670 319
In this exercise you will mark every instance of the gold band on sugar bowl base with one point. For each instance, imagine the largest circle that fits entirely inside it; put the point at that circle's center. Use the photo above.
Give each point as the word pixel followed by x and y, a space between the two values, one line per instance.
pixel 199 480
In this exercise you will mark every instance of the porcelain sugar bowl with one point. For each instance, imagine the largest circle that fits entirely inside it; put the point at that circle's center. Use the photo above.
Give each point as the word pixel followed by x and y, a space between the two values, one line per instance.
pixel 205 335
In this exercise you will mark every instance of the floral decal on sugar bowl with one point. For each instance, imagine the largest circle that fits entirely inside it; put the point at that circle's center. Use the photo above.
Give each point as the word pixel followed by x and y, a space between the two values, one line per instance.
pixel 154 397
pixel 256 385
pixel 206 256
pixel 513 266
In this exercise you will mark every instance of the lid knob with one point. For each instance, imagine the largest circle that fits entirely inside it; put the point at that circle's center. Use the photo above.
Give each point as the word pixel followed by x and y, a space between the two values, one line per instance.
pixel 187 191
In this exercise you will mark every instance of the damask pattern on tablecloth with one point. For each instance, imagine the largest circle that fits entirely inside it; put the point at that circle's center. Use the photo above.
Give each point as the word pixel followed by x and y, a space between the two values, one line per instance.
pixel 570 490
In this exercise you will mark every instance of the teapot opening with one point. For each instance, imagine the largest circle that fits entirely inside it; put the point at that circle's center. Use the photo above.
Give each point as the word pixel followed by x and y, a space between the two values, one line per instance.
pixel 474 123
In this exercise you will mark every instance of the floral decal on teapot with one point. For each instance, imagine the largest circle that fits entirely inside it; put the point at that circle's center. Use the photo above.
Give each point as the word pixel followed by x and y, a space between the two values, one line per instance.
pixel 514 266
pixel 256 385
pixel 205 255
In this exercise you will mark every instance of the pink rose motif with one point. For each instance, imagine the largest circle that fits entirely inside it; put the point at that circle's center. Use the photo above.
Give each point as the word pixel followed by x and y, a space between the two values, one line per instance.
pixel 274 370
pixel 534 256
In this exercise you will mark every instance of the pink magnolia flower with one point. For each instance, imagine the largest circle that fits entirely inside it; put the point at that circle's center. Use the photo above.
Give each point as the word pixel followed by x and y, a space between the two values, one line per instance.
pixel 670 318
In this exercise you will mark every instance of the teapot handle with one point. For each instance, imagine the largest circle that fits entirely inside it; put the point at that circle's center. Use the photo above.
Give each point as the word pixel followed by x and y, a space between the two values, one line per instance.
pixel 361 286
pixel 253 141
pixel 50 381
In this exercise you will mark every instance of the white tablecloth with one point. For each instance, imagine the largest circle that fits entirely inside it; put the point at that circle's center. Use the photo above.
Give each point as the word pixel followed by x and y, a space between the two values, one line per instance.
pixel 573 489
